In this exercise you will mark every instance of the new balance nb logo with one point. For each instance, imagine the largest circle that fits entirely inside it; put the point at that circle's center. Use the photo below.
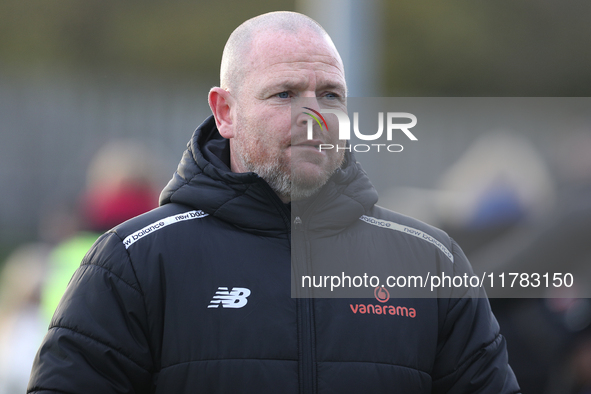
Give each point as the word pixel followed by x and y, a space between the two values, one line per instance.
pixel 235 298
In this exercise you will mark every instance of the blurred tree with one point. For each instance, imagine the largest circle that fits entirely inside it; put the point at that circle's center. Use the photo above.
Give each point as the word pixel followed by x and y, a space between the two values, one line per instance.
pixel 181 38
pixel 503 48
pixel 431 48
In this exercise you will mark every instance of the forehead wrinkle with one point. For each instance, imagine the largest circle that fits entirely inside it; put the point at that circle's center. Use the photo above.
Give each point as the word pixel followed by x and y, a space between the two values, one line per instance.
pixel 293 58
pixel 297 68
pixel 270 60
pixel 292 77
pixel 296 80
pixel 299 64
pixel 299 81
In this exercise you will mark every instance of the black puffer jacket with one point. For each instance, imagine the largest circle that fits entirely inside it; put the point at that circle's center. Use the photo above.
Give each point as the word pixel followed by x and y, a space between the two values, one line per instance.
pixel 194 297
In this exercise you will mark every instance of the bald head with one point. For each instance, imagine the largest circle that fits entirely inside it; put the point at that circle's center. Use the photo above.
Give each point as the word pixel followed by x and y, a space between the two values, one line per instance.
pixel 234 65
pixel 268 61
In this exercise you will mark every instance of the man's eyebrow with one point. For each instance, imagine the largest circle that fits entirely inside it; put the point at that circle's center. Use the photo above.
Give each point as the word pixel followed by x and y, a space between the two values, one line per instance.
pixel 286 85
pixel 330 85
pixel 299 85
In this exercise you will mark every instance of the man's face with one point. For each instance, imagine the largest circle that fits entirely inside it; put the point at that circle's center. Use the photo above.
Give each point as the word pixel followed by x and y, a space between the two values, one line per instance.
pixel 281 67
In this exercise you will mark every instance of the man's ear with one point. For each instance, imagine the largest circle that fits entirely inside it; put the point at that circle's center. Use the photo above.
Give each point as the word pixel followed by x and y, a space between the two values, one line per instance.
pixel 221 103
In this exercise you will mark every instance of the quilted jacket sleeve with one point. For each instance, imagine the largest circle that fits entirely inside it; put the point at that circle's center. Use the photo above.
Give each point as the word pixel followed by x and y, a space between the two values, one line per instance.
pixel 472 354
pixel 97 340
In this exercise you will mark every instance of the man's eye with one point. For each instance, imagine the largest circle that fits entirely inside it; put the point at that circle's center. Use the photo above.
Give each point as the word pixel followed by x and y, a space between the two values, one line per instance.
pixel 331 95
pixel 283 95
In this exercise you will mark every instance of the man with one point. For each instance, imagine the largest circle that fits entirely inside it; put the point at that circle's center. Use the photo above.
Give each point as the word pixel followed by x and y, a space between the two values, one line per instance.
pixel 195 295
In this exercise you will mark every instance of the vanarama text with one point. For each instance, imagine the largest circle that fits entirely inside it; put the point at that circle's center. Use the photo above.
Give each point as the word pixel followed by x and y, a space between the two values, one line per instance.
pixel 384 310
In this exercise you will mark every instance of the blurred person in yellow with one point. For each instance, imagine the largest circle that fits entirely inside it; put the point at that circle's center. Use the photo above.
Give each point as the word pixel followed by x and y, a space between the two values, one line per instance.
pixel 21 322
pixel 195 296
pixel 120 185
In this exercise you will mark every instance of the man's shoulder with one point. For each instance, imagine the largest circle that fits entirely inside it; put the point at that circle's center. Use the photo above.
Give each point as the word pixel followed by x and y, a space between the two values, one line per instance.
pixel 383 217
pixel 398 224
pixel 139 234
pixel 156 220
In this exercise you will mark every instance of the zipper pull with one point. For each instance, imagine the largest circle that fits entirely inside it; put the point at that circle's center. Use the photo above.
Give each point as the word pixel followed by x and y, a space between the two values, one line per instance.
pixel 297 223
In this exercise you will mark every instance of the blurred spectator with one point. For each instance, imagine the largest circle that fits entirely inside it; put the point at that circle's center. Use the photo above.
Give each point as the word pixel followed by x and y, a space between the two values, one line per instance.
pixel 121 184
pixel 557 242
pixel 501 204
pixel 22 326
pixel 580 366
pixel 500 181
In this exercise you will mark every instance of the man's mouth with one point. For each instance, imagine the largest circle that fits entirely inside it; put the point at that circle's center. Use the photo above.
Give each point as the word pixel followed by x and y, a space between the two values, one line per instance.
pixel 312 143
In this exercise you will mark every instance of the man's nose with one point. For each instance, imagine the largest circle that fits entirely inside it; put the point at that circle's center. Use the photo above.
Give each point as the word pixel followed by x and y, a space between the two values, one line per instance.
pixel 305 107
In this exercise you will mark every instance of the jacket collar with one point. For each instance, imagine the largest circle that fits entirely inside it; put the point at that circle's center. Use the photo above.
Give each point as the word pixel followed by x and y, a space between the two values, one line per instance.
pixel 203 180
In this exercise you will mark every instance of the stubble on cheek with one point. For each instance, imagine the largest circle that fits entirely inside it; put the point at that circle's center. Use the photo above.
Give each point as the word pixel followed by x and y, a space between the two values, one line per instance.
pixel 290 177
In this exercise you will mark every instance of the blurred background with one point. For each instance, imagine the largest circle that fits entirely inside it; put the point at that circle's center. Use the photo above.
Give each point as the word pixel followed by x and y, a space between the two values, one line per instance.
pixel 98 100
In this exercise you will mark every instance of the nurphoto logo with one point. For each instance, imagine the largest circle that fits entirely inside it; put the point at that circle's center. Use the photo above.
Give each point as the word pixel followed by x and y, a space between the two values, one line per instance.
pixel 392 124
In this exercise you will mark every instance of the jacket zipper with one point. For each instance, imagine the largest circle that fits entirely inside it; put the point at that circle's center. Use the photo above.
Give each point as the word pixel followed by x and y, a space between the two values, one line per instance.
pixel 305 317
pixel 305 312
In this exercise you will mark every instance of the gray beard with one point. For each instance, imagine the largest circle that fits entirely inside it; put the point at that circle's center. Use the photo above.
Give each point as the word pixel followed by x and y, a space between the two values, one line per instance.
pixel 278 174
pixel 279 177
